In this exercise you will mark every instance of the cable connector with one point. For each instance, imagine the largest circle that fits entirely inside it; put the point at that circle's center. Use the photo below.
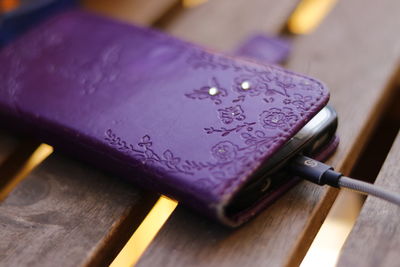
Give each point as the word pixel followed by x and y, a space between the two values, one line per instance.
pixel 314 171
pixel 322 174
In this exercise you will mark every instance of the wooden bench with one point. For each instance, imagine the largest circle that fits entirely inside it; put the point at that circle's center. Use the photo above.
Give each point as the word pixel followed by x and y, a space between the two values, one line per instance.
pixel 374 239
pixel 66 213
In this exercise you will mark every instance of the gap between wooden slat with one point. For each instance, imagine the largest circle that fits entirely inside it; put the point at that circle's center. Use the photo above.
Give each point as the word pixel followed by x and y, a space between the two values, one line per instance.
pixel 374 241
pixel 346 166
pixel 115 241
pixel 27 156
pixel 308 15
pixel 367 167
pixel 8 144
pixel 193 3
pixel 135 11
pixel 145 233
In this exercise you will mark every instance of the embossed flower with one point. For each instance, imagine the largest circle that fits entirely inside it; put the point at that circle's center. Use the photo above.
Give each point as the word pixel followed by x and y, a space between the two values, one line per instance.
pixel 229 114
pixel 224 151
pixel 170 160
pixel 278 118
pixel 306 85
pixel 310 86
pixel 301 102
pixel 280 85
pixel 285 80
pixel 252 85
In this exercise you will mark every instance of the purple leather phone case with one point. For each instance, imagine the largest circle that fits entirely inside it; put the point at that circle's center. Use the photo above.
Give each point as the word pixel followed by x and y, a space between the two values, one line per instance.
pixel 171 116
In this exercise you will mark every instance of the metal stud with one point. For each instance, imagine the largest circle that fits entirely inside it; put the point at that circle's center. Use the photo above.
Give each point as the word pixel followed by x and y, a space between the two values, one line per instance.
pixel 245 85
pixel 213 91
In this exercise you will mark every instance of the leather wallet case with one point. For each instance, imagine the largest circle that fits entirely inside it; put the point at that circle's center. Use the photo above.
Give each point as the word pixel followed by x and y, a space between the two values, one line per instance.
pixel 173 117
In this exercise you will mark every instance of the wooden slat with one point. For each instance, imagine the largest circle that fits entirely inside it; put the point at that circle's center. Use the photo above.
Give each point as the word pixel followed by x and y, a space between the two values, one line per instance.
pixel 223 24
pixel 356 52
pixel 346 53
pixel 64 213
pixel 15 152
pixel 374 240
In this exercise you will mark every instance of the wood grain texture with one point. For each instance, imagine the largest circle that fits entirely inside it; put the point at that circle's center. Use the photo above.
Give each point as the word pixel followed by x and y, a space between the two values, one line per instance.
pixel 356 52
pixel 142 12
pixel 62 214
pixel 223 24
pixel 346 52
pixel 374 240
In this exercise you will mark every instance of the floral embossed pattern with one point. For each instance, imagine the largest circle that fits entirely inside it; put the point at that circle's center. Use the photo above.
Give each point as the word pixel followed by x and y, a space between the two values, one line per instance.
pixel 300 102
pixel 281 84
pixel 278 118
pixel 230 114
pixel 226 131
pixel 224 151
pixel 258 84
pixel 228 156
pixel 251 81
pixel 144 153
pixel 284 100
pixel 287 96
pixel 204 92
pixel 265 81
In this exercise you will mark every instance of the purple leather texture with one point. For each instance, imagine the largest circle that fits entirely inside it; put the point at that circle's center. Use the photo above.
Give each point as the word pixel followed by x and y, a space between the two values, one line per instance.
pixel 268 49
pixel 171 116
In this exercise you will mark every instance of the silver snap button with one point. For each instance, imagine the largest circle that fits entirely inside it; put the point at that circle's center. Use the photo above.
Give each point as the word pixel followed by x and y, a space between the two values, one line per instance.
pixel 213 91
pixel 245 85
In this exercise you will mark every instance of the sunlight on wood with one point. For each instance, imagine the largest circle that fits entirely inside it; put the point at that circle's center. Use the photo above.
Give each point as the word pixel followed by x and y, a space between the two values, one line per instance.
pixel 38 156
pixel 8 5
pixel 308 15
pixel 145 233
pixel 326 246
pixel 192 3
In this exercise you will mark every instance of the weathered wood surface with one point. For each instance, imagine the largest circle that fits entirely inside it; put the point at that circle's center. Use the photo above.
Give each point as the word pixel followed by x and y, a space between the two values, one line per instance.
pixel 224 24
pixel 64 213
pixel 374 240
pixel 356 51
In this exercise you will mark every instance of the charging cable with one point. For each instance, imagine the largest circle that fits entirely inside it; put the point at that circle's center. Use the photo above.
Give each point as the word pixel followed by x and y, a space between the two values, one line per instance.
pixel 321 174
